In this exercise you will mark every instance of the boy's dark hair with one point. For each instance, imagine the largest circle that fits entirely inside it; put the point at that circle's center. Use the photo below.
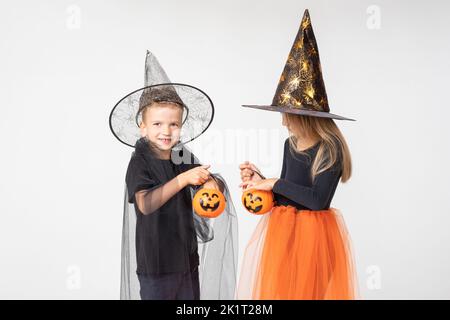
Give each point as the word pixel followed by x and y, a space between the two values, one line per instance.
pixel 161 94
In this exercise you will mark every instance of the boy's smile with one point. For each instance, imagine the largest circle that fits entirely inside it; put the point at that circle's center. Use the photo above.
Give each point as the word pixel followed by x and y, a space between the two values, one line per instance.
pixel 162 125
pixel 165 141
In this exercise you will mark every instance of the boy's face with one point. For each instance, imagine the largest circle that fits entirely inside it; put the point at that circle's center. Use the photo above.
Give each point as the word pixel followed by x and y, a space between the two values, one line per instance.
pixel 162 125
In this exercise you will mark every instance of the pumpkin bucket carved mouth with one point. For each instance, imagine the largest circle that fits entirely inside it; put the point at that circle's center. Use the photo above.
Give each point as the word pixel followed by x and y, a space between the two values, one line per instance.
pixel 250 206
pixel 207 206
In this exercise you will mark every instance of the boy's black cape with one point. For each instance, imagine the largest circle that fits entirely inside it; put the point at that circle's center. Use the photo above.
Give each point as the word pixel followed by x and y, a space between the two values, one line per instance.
pixel 216 238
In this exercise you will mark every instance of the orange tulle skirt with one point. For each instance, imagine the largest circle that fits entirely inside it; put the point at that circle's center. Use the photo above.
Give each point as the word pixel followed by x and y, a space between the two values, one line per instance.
pixel 299 254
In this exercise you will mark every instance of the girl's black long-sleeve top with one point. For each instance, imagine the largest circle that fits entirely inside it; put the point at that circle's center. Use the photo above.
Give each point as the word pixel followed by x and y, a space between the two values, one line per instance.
pixel 295 186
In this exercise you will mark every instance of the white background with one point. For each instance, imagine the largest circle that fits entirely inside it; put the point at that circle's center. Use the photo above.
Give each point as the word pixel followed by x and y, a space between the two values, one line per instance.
pixel 64 64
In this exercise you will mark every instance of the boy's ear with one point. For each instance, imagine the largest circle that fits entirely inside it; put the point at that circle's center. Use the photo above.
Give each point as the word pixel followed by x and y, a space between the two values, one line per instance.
pixel 142 128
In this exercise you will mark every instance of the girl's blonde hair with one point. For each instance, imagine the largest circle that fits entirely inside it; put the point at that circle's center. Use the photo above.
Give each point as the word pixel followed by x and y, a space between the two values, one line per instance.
pixel 332 145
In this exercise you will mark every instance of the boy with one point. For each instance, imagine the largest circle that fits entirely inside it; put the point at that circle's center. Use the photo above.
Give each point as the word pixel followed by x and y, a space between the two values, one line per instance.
pixel 162 237
pixel 169 270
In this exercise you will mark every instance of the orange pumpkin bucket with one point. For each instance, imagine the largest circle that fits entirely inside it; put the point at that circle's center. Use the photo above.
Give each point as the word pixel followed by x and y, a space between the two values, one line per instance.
pixel 257 201
pixel 208 203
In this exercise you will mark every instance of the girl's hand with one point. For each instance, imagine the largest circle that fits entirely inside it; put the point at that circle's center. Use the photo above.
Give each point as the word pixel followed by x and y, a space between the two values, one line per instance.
pixel 249 172
pixel 196 176
pixel 266 184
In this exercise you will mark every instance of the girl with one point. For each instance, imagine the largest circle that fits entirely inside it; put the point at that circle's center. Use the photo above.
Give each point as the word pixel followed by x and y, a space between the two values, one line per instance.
pixel 301 250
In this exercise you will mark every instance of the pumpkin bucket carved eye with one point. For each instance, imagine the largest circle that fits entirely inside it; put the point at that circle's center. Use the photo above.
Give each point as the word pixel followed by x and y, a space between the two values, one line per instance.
pixel 257 201
pixel 208 203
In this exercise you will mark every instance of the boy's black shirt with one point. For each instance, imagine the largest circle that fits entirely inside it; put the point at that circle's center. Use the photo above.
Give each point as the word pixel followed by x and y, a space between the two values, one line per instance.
pixel 166 239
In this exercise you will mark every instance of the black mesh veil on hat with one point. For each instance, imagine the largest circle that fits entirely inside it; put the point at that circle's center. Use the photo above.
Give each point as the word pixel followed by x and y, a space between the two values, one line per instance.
pixel 213 240
pixel 125 117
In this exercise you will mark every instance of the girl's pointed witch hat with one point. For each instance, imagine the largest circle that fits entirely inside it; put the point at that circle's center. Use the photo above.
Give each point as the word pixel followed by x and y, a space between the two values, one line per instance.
pixel 126 115
pixel 301 89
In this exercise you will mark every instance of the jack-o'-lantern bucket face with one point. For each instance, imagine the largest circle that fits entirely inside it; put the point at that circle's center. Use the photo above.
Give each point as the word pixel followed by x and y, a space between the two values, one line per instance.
pixel 208 203
pixel 257 201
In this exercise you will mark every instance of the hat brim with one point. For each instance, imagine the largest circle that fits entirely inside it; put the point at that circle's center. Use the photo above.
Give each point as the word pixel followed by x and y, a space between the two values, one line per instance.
pixel 304 112
pixel 197 119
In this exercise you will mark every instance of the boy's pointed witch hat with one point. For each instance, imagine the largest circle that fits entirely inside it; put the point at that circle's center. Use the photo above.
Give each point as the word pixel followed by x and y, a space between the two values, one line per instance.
pixel 125 117
pixel 301 89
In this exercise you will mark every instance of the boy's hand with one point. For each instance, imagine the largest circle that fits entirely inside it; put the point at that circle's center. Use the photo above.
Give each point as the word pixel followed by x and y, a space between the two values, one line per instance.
pixel 196 176
pixel 249 172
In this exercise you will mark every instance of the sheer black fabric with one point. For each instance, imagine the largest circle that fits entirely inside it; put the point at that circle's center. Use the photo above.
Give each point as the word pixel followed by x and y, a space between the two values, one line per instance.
pixel 173 243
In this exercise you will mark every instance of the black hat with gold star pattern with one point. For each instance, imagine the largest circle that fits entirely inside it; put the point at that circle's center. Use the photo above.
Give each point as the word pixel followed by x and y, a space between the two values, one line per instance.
pixel 301 89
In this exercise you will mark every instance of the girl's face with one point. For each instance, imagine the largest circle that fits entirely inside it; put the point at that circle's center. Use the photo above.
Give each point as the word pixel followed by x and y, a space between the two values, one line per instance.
pixel 162 125
pixel 294 124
